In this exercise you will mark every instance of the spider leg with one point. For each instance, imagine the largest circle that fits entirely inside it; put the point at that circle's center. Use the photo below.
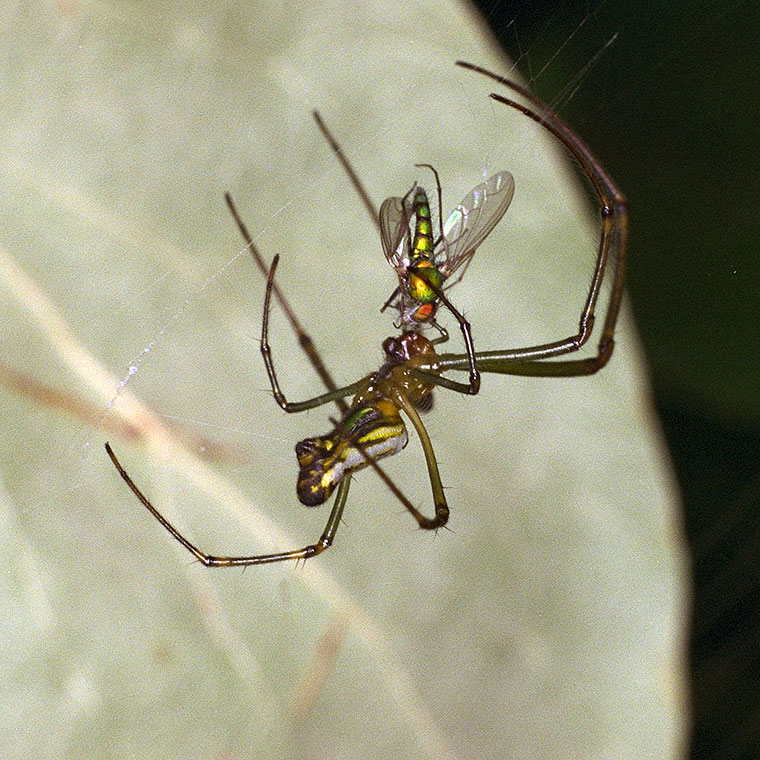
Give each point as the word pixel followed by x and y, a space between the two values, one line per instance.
pixel 443 333
pixel 495 362
pixel 211 560
pixel 304 339
pixel 334 393
pixel 352 175
pixel 439 499
pixel 612 243
pixel 266 351
pixel 391 297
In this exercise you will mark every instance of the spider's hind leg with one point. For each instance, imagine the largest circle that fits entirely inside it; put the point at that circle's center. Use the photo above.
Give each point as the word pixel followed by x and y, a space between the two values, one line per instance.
pixel 211 560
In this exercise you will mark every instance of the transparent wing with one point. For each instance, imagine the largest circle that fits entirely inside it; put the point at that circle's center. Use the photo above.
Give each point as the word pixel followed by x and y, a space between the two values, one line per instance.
pixel 395 214
pixel 473 219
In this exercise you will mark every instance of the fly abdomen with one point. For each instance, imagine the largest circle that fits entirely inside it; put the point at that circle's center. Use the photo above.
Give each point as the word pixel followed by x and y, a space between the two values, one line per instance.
pixel 324 461
pixel 423 247
pixel 422 244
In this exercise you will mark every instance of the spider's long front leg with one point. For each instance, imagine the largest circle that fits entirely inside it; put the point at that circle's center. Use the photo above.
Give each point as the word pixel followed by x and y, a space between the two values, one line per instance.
pixel 266 352
pixel 212 560
pixel 612 244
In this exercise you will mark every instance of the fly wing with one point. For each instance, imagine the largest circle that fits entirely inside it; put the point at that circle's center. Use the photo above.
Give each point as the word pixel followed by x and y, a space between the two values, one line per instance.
pixel 473 219
pixel 395 214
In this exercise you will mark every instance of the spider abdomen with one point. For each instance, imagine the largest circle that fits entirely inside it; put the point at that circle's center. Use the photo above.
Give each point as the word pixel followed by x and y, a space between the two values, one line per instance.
pixel 373 429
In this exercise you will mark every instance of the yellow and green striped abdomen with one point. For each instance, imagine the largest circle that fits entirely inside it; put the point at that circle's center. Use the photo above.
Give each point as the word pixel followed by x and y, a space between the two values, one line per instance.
pixel 326 460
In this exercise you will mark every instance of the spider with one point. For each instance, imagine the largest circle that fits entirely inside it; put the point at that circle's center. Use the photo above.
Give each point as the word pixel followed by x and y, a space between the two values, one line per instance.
pixel 371 427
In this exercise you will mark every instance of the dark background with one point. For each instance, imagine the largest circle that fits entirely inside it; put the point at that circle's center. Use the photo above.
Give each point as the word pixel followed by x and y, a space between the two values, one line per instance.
pixel 672 110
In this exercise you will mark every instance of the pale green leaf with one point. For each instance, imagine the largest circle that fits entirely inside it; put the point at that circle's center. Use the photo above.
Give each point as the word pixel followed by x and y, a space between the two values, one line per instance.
pixel 548 623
